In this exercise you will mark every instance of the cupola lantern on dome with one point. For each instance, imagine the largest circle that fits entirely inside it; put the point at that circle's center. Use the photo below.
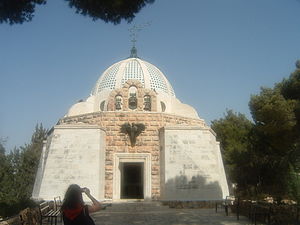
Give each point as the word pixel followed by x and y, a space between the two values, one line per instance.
pixel 133 52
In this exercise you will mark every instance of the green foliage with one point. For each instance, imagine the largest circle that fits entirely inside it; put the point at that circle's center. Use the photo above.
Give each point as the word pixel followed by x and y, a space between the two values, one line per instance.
pixel 17 174
pixel 263 157
pixel 273 114
pixel 19 11
pixel 276 115
pixel 291 87
pixel 294 185
pixel 233 131
pixel 275 137
pixel 294 84
pixel 109 10
pixel 2 148
pixel 16 11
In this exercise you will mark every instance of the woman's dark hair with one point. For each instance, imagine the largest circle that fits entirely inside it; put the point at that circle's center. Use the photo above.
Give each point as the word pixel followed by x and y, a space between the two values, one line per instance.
pixel 73 197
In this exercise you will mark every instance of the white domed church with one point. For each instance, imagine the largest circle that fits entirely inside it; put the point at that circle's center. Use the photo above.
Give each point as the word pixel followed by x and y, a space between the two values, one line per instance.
pixel 132 139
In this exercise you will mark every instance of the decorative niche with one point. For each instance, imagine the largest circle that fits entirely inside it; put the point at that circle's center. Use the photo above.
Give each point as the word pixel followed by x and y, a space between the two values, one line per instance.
pixel 163 106
pixel 132 98
pixel 147 103
pixel 118 102
pixel 102 105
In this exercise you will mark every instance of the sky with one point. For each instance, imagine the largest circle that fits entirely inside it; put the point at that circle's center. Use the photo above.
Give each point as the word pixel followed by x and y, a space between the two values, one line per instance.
pixel 215 54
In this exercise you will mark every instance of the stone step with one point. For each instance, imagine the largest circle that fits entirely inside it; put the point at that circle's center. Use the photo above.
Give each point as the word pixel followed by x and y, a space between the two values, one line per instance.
pixel 135 206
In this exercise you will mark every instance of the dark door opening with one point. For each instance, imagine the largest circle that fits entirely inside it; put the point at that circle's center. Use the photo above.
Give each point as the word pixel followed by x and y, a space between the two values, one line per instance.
pixel 132 180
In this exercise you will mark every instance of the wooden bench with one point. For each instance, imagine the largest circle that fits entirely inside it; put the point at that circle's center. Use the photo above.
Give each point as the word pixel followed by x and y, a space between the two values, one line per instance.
pixel 47 213
pixel 57 203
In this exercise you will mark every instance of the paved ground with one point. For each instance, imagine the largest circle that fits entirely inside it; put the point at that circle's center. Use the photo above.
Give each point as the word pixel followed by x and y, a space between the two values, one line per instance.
pixel 153 213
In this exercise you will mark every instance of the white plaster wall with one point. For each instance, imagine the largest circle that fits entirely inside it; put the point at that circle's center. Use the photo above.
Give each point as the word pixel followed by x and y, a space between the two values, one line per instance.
pixel 41 167
pixel 191 165
pixel 175 106
pixel 76 155
pixel 102 96
pixel 81 108
pixel 182 109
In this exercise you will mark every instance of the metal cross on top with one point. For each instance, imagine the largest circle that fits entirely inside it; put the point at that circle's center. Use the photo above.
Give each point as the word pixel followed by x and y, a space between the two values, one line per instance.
pixel 134 34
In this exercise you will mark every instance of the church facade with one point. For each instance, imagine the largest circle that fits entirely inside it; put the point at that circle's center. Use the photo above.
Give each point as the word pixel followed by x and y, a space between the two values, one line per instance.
pixel 132 139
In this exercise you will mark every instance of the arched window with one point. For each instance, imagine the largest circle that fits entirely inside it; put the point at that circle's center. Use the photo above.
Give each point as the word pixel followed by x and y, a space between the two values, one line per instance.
pixel 132 98
pixel 102 105
pixel 147 103
pixel 163 106
pixel 118 102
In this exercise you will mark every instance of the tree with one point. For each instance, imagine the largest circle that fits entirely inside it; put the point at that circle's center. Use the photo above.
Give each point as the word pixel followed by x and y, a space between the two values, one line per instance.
pixel 29 160
pixel 6 184
pixel 109 10
pixel 275 112
pixel 274 118
pixel 2 148
pixel 290 89
pixel 233 131
pixel 19 11
pixel 274 133
pixel 263 157
pixel 16 11
pixel 294 185
pixel 18 170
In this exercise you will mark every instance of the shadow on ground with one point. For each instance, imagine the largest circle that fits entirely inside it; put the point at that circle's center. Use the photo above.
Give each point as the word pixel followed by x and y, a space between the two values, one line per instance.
pixel 153 213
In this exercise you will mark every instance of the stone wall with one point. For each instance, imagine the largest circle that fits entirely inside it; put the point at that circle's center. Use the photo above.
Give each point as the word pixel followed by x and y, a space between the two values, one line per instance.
pixel 75 155
pixel 124 93
pixel 147 142
pixel 191 164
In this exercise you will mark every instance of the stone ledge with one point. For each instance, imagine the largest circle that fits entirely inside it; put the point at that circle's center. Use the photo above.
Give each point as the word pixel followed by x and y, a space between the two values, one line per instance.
pixel 190 204
pixel 78 126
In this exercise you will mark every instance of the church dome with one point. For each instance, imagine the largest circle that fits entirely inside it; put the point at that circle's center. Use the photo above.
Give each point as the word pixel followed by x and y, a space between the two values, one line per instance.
pixel 133 68
pixel 132 85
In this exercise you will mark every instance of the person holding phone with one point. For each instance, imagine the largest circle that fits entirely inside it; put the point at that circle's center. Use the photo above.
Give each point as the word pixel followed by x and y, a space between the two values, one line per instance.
pixel 74 211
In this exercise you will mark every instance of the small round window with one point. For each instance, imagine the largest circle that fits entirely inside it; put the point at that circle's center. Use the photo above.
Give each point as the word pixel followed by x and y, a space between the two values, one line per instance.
pixel 163 106
pixel 102 105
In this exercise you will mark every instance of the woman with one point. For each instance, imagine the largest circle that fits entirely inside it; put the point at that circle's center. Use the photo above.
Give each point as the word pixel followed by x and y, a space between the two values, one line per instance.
pixel 75 212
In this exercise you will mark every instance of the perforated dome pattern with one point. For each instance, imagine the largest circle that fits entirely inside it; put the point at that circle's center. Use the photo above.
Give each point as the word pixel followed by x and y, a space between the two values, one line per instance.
pixel 108 79
pixel 171 89
pixel 133 68
pixel 156 81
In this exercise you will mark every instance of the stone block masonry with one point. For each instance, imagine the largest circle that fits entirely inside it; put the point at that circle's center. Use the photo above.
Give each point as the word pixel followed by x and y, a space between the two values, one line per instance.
pixel 147 142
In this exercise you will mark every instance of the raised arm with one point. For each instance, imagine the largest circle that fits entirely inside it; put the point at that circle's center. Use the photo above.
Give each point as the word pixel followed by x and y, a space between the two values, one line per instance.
pixel 96 205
